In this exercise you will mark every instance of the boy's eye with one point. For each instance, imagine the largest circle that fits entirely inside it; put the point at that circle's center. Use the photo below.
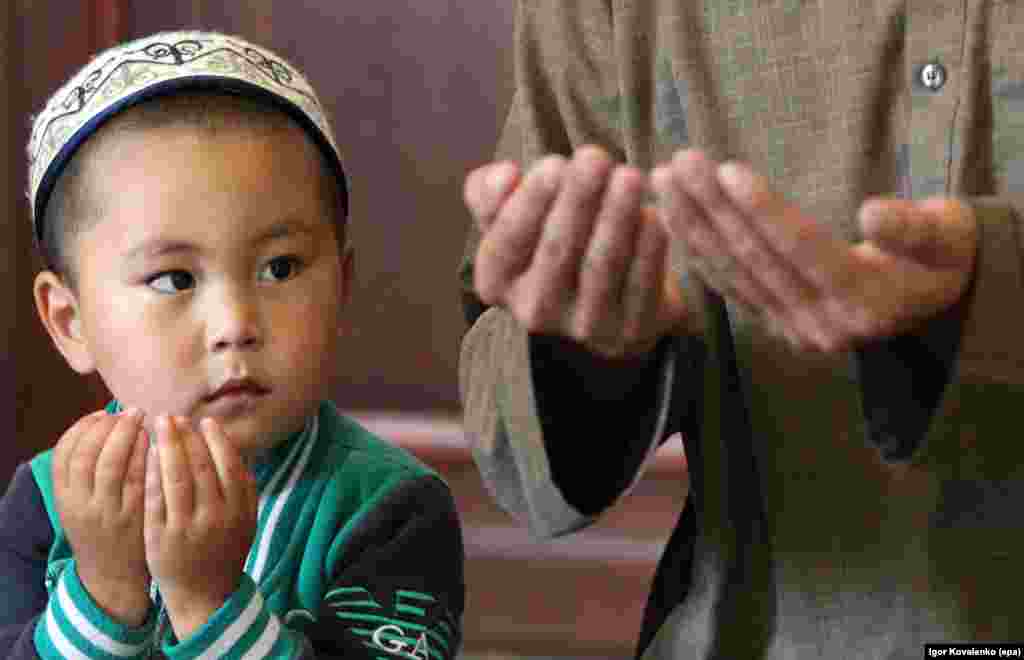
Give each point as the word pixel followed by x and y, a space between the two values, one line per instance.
pixel 177 280
pixel 282 268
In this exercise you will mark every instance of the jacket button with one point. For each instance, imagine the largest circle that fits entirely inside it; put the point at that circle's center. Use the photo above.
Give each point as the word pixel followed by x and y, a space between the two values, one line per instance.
pixel 933 76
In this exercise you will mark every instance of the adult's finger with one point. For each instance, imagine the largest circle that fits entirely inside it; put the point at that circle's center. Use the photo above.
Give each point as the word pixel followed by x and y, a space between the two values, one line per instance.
pixel 799 239
pixel 675 311
pixel 554 271
pixel 681 217
pixel 719 235
pixel 506 250
pixel 938 231
pixel 644 284
pixel 799 264
pixel 885 222
pixel 486 188
pixel 775 284
pixel 598 310
pixel 705 251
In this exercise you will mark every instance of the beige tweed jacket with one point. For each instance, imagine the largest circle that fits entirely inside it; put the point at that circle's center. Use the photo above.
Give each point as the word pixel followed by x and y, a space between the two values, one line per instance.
pixel 880 504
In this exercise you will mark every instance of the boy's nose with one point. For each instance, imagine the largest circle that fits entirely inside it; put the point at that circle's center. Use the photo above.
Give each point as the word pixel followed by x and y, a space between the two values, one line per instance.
pixel 235 324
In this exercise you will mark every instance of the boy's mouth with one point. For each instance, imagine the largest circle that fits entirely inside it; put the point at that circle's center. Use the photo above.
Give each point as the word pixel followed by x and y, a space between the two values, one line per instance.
pixel 237 387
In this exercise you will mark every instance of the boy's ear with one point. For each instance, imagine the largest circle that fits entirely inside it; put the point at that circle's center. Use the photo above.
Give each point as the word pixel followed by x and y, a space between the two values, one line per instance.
pixel 59 312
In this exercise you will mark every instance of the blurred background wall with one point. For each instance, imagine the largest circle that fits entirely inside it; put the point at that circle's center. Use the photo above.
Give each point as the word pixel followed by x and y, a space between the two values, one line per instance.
pixel 418 90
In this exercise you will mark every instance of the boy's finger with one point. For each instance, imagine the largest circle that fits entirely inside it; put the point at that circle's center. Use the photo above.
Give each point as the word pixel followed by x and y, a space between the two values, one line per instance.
pixel 231 470
pixel 63 450
pixel 115 455
pixel 175 474
pixel 155 512
pixel 208 490
pixel 135 476
pixel 84 455
pixel 485 190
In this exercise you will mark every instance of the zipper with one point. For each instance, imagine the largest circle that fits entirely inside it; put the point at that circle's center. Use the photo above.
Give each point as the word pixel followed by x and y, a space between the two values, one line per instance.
pixel 161 620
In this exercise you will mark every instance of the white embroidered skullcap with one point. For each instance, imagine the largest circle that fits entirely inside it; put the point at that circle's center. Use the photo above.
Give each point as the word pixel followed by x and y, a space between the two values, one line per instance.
pixel 158 65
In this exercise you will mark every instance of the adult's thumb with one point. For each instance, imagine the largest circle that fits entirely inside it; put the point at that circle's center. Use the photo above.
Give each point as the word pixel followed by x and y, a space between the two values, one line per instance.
pixel 677 312
pixel 485 190
pixel 937 232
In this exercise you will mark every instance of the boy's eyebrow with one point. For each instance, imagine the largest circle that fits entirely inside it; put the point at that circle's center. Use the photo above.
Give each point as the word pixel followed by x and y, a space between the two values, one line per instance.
pixel 160 247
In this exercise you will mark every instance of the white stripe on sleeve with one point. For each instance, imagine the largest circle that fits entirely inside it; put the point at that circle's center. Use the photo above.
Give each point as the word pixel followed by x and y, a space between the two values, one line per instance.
pixel 238 627
pixel 263 645
pixel 60 642
pixel 95 636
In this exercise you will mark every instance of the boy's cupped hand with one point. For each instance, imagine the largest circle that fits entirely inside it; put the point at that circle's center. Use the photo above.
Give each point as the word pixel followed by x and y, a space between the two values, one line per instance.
pixel 201 506
pixel 98 473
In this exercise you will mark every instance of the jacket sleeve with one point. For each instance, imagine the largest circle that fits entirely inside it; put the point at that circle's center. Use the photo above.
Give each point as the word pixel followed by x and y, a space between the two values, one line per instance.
pixel 535 407
pixel 25 539
pixel 61 622
pixel 45 611
pixel 398 586
pixel 243 627
pixel 931 396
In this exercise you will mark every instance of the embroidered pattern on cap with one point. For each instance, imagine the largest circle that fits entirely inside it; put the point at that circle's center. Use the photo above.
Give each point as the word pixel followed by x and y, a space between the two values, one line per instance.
pixel 127 70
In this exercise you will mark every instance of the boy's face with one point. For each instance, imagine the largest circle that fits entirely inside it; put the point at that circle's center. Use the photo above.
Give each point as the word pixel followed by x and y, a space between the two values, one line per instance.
pixel 213 259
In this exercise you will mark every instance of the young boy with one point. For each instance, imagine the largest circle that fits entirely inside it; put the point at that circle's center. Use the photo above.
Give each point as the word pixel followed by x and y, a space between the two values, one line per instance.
pixel 220 506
